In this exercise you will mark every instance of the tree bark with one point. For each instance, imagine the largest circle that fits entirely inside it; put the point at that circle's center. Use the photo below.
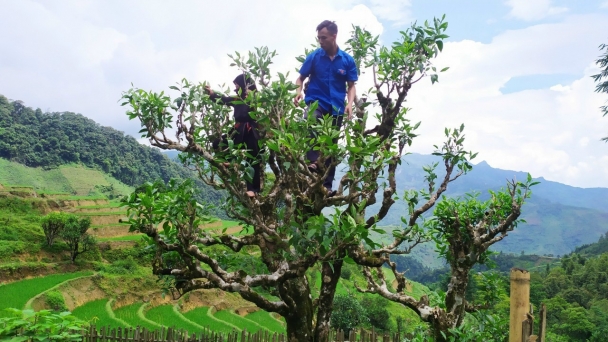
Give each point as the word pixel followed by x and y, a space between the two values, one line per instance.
pixel 329 282
pixel 455 303
pixel 299 319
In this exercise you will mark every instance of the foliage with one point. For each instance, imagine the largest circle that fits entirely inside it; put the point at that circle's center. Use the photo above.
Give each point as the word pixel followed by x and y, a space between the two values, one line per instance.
pixel 575 294
pixel 43 325
pixel 75 235
pixel 96 312
pixel 293 225
pixel 376 309
pixel 602 78
pixel 19 227
pixel 126 266
pixel 26 136
pixel 16 294
pixel 594 249
pixel 52 225
pixel 54 300
pixel 348 314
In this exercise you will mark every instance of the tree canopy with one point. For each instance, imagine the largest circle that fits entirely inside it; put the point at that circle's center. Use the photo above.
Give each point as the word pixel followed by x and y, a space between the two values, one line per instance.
pixel 293 224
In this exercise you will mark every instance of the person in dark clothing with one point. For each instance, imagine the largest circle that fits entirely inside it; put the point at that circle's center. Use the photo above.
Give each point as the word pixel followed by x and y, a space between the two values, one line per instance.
pixel 245 130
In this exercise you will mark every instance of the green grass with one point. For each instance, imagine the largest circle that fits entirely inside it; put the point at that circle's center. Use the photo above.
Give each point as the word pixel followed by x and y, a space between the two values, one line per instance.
pixel 136 237
pixel 95 312
pixel 109 205
pixel 103 213
pixel 65 180
pixel 229 224
pixel 202 316
pixel 234 319
pixel 166 316
pixel 128 314
pixel 264 319
pixel 15 295
pixel 45 180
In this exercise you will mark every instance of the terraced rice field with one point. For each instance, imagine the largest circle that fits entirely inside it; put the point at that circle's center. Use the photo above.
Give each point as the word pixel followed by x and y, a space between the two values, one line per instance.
pixel 95 312
pixel 241 322
pixel 165 315
pixel 262 317
pixel 128 313
pixel 16 295
pixel 202 317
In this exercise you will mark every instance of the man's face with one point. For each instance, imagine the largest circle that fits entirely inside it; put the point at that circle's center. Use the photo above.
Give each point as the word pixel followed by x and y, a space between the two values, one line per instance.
pixel 325 39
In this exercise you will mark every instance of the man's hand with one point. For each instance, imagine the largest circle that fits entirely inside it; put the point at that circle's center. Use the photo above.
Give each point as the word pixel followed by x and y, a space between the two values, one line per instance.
pixel 351 92
pixel 299 83
pixel 208 90
pixel 298 98
pixel 349 111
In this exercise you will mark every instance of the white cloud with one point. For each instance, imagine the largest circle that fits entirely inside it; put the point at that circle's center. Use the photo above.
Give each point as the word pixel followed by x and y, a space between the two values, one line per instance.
pixel 551 132
pixel 80 55
pixel 604 4
pixel 530 10
pixel 397 11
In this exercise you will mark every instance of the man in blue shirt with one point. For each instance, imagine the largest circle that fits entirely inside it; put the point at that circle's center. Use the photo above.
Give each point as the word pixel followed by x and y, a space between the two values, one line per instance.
pixel 332 73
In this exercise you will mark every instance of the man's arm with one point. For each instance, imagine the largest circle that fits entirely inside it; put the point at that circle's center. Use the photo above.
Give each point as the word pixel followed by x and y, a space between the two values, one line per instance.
pixel 299 83
pixel 351 92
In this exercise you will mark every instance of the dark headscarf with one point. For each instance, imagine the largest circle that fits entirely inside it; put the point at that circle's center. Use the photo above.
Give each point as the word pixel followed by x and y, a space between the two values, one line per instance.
pixel 245 82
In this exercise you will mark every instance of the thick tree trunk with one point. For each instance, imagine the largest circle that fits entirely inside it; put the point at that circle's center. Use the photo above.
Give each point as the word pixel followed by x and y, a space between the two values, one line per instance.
pixel 299 320
pixel 329 281
pixel 455 304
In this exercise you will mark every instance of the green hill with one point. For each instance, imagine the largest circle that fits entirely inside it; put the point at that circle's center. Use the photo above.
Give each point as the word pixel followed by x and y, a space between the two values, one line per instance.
pixel 50 140
pixel 66 179
pixel 559 217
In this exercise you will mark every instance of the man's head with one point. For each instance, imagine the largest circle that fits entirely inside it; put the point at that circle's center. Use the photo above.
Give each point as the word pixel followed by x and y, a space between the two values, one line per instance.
pixel 326 34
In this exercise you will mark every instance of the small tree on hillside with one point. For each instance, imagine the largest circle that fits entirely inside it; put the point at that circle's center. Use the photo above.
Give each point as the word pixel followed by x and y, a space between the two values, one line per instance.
pixel 287 225
pixel 76 237
pixel 52 225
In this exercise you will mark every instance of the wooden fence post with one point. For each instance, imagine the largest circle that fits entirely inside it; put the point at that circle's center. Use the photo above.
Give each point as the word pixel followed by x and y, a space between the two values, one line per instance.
pixel 520 302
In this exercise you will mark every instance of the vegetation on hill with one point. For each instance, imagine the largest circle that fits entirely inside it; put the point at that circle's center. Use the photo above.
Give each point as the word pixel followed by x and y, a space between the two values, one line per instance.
pixel 49 140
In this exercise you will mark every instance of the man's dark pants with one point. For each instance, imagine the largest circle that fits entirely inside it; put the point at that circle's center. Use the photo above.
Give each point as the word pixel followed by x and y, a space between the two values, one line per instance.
pixel 313 155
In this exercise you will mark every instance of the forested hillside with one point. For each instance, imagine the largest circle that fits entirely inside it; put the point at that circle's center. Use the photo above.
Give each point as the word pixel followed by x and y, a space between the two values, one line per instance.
pixel 48 140
pixel 564 216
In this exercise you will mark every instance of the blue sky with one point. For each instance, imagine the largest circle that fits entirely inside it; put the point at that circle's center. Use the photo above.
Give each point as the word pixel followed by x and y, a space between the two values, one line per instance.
pixel 519 76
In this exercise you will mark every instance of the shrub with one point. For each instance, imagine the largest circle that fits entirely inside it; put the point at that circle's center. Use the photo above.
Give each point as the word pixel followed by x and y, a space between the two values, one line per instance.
pixel 55 300
pixel 42 326
pixel 348 313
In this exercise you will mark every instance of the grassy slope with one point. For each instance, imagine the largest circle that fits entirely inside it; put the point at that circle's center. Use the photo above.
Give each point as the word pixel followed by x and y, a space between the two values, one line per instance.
pixel 166 316
pixel 65 179
pixel 203 317
pixel 95 312
pixel 263 318
pixel 241 322
pixel 128 313
pixel 15 295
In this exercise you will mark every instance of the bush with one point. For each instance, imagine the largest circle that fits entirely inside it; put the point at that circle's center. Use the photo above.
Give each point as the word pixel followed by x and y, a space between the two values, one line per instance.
pixel 55 300
pixel 42 326
pixel 377 312
pixel 139 253
pixel 122 267
pixel 348 313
